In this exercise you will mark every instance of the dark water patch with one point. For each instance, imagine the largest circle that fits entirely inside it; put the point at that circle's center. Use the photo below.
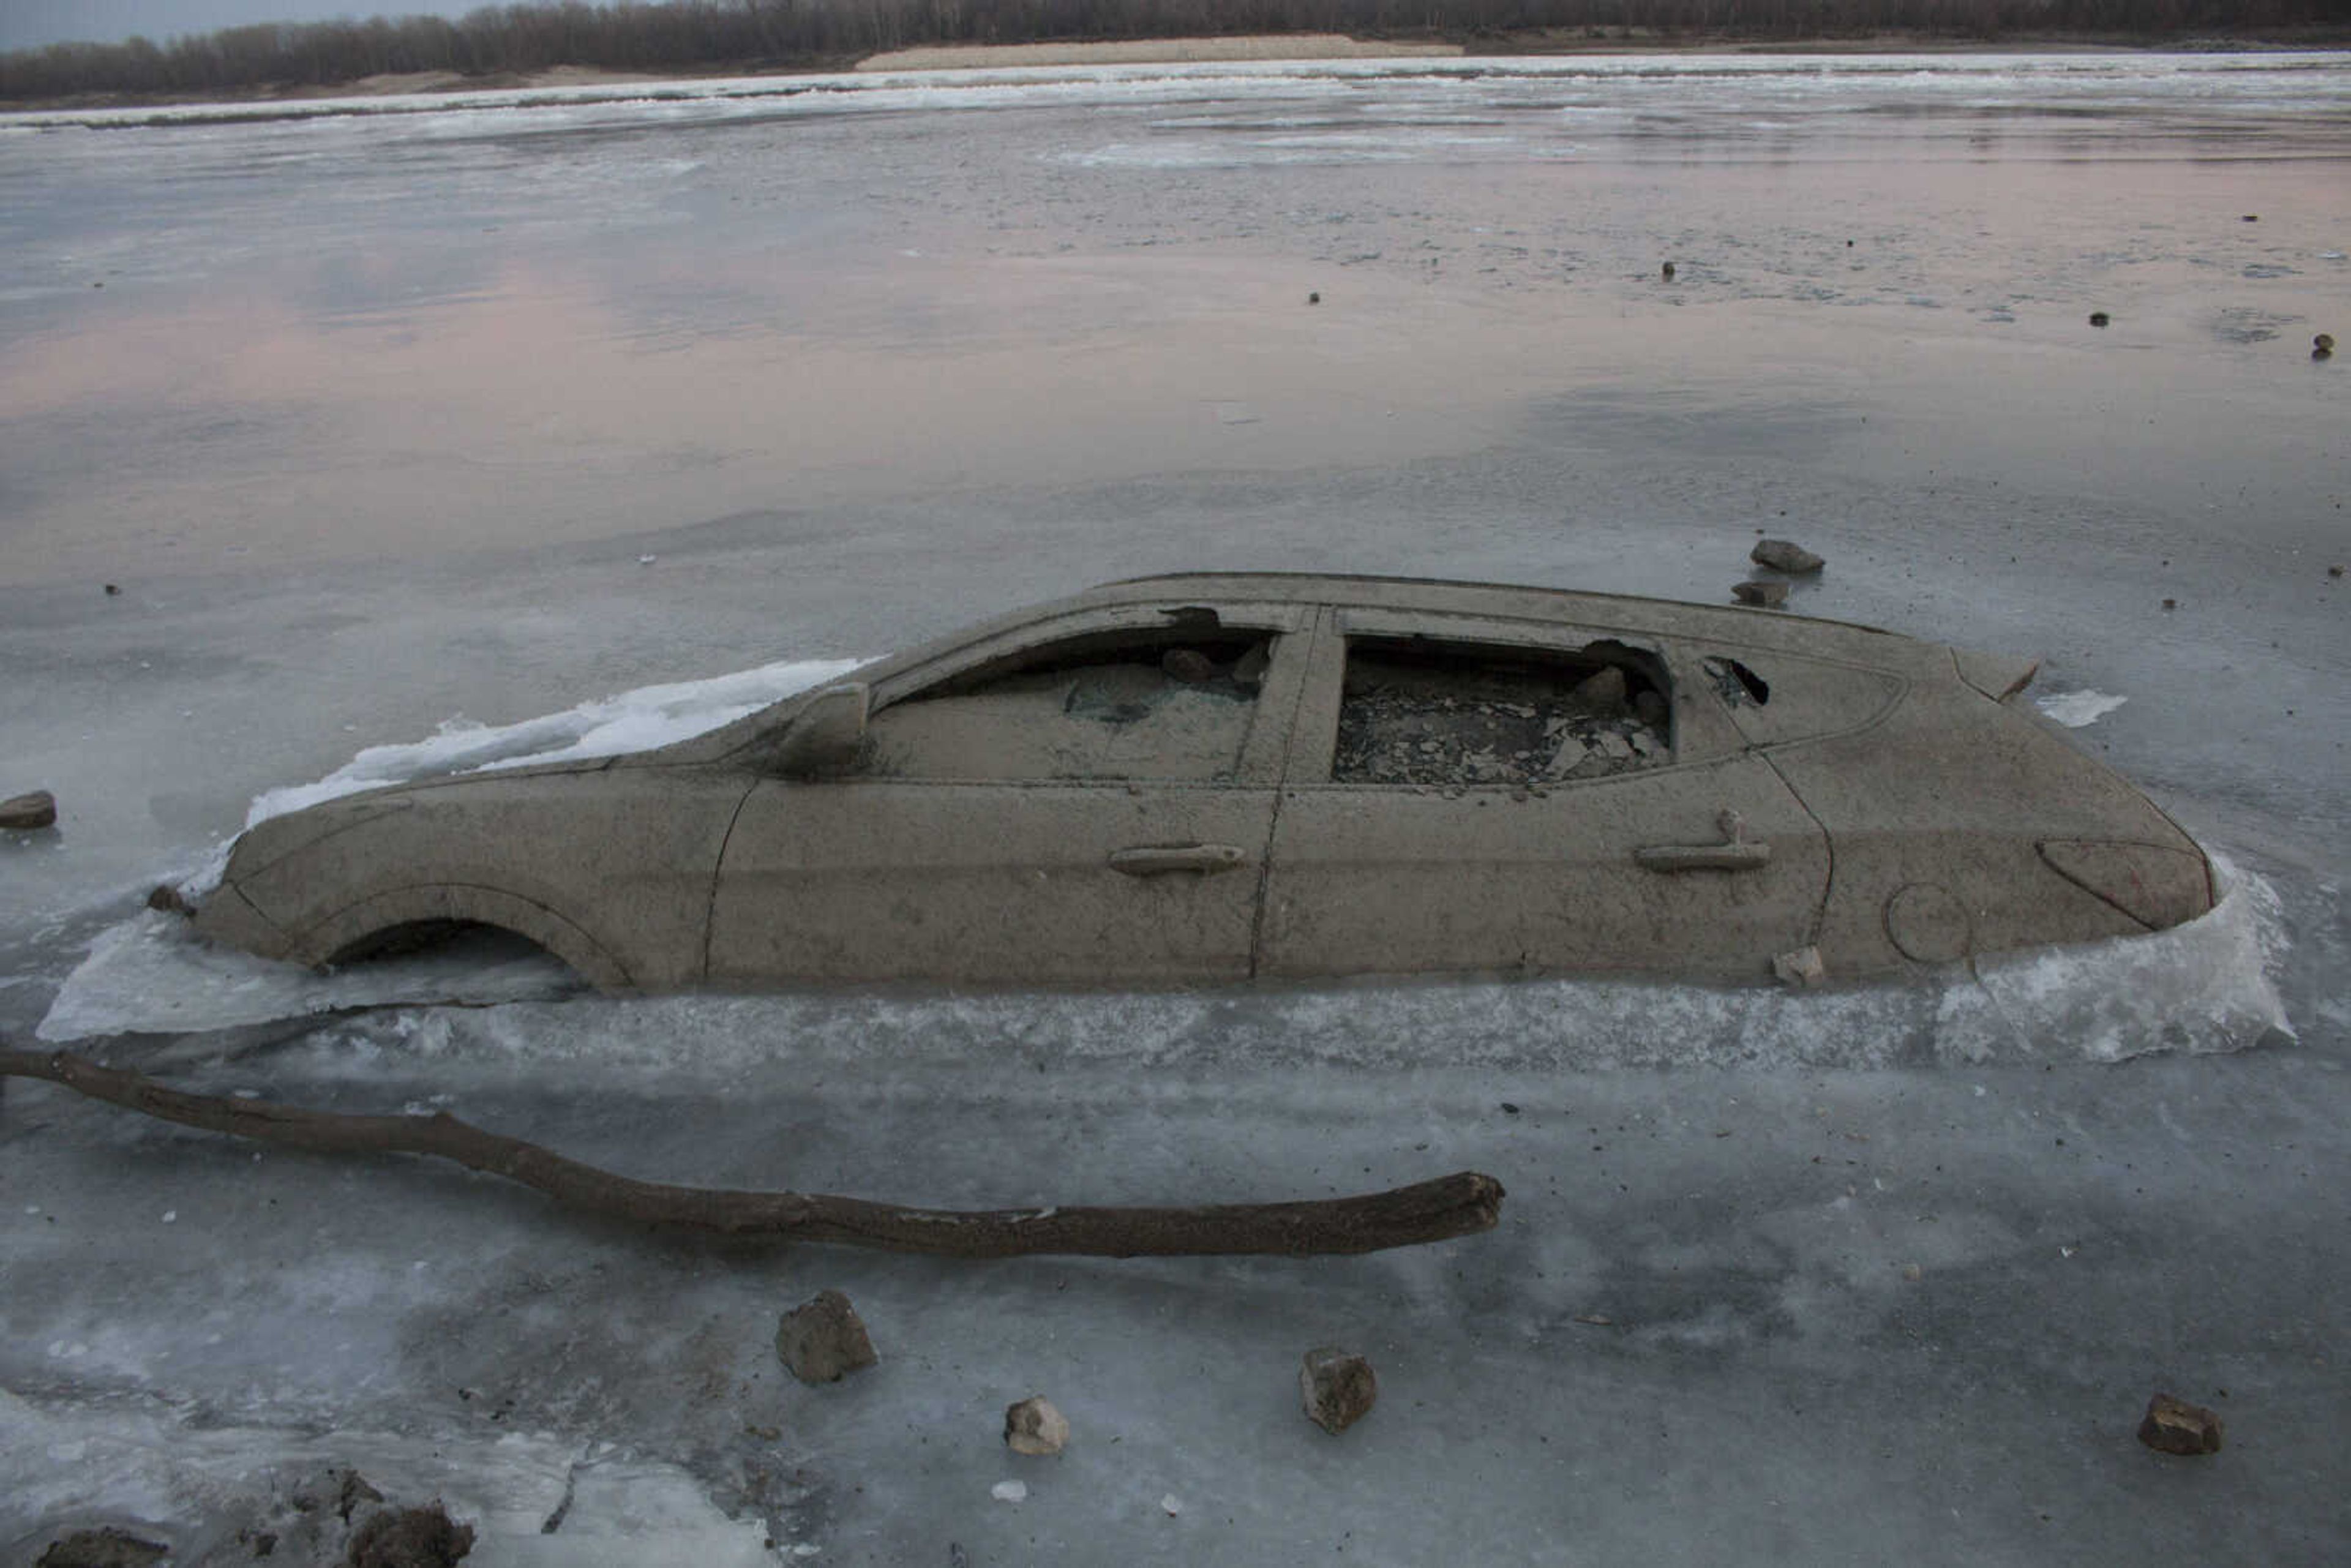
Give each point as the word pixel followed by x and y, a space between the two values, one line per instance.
pixel 2244 325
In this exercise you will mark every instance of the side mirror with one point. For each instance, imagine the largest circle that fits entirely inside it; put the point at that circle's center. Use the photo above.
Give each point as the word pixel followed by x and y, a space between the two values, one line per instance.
pixel 828 733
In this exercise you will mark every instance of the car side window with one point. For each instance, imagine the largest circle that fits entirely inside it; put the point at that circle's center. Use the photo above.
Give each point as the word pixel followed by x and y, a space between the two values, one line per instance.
pixel 1162 703
pixel 1426 711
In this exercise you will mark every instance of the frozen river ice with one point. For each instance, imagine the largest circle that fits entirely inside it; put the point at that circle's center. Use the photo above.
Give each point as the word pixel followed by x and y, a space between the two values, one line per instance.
pixel 463 431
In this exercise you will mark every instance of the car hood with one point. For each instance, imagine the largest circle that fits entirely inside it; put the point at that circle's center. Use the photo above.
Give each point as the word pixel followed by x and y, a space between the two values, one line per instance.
pixel 266 842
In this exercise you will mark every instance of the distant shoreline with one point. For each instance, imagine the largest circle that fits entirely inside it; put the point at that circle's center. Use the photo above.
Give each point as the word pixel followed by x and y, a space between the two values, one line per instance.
pixel 1243 47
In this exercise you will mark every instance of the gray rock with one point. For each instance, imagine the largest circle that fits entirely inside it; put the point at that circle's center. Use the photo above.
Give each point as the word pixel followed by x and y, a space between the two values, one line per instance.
pixel 23 813
pixel 2172 1426
pixel 1604 690
pixel 1801 969
pixel 1337 1388
pixel 103 1548
pixel 1188 665
pixel 1770 595
pixel 1785 555
pixel 1651 707
pixel 1034 1426
pixel 410 1537
pixel 823 1338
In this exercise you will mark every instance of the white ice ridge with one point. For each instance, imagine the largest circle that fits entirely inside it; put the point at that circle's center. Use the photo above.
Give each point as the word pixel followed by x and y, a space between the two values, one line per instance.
pixel 636 720
pixel 154 1469
pixel 2207 985
pixel 2075 709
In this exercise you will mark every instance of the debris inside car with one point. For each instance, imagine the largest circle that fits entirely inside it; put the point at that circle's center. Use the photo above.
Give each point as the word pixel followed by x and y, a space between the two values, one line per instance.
pixel 1412 716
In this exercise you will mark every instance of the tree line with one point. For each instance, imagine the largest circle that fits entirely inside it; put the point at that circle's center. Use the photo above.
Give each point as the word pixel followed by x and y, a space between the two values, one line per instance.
pixel 746 36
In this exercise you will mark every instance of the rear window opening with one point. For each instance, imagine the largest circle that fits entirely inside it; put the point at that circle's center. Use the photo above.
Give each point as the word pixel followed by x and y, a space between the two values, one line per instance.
pixel 1452 715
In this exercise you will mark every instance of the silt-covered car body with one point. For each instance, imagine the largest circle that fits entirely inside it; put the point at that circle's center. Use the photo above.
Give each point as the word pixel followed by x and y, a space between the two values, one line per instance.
pixel 1209 778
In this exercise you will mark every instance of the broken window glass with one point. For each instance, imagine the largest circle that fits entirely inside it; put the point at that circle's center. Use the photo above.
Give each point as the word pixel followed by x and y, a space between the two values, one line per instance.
pixel 1737 682
pixel 1415 711
pixel 1158 705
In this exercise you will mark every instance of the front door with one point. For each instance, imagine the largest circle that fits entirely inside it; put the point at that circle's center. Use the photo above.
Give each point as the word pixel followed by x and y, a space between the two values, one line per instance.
pixel 1094 808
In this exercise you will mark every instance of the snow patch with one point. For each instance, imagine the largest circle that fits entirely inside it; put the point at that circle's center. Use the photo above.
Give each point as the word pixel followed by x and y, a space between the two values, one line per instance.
pixel 639 720
pixel 2076 709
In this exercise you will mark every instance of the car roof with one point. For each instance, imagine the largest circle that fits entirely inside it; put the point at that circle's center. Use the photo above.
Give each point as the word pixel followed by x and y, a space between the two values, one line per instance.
pixel 1658 617
pixel 1601 612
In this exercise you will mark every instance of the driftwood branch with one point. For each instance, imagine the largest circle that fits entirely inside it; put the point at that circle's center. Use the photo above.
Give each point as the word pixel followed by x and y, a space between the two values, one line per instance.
pixel 1456 1205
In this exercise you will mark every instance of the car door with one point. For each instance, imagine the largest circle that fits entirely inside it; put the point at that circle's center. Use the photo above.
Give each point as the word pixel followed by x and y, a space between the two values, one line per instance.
pixel 1474 794
pixel 1086 800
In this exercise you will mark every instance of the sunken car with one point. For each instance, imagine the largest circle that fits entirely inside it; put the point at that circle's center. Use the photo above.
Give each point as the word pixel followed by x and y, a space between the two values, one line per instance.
pixel 1203 779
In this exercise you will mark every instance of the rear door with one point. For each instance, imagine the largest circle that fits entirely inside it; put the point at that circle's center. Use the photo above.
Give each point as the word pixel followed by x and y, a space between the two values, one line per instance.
pixel 1084 801
pixel 1473 794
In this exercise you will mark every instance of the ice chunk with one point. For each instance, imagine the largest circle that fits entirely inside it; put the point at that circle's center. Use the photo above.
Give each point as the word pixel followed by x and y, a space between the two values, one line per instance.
pixel 2075 709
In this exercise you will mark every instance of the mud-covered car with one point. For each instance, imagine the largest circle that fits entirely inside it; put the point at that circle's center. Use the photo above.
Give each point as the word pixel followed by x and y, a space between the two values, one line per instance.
pixel 1212 778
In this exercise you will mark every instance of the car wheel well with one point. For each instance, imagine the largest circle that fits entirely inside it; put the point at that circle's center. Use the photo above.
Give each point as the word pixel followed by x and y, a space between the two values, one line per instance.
pixel 400 919
pixel 432 935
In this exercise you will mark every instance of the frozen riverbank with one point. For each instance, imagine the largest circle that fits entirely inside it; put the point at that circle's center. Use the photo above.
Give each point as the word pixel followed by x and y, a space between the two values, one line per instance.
pixel 491 414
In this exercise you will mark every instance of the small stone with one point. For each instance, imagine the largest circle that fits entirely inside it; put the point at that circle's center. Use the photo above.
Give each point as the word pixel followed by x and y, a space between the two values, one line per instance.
pixel 1912 1272
pixel 2099 319
pixel 103 1548
pixel 113 589
pixel 1034 1426
pixel 2171 604
pixel 823 1338
pixel 165 899
pixel 1650 707
pixel 1188 665
pixel 2172 1426
pixel 1337 1388
pixel 1783 555
pixel 1768 595
pixel 1009 1491
pixel 1669 272
pixel 2251 218
pixel 23 813
pixel 1603 690
pixel 2324 342
pixel 1800 969
pixel 410 1537
pixel 2335 571
pixel 1315 297
pixel 1171 1505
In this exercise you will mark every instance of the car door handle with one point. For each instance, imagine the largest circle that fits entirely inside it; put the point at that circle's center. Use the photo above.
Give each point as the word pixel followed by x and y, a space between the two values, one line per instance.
pixel 1736 853
pixel 1158 860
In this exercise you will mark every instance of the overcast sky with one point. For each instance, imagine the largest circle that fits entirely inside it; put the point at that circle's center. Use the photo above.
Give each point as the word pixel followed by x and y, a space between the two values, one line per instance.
pixel 27 24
